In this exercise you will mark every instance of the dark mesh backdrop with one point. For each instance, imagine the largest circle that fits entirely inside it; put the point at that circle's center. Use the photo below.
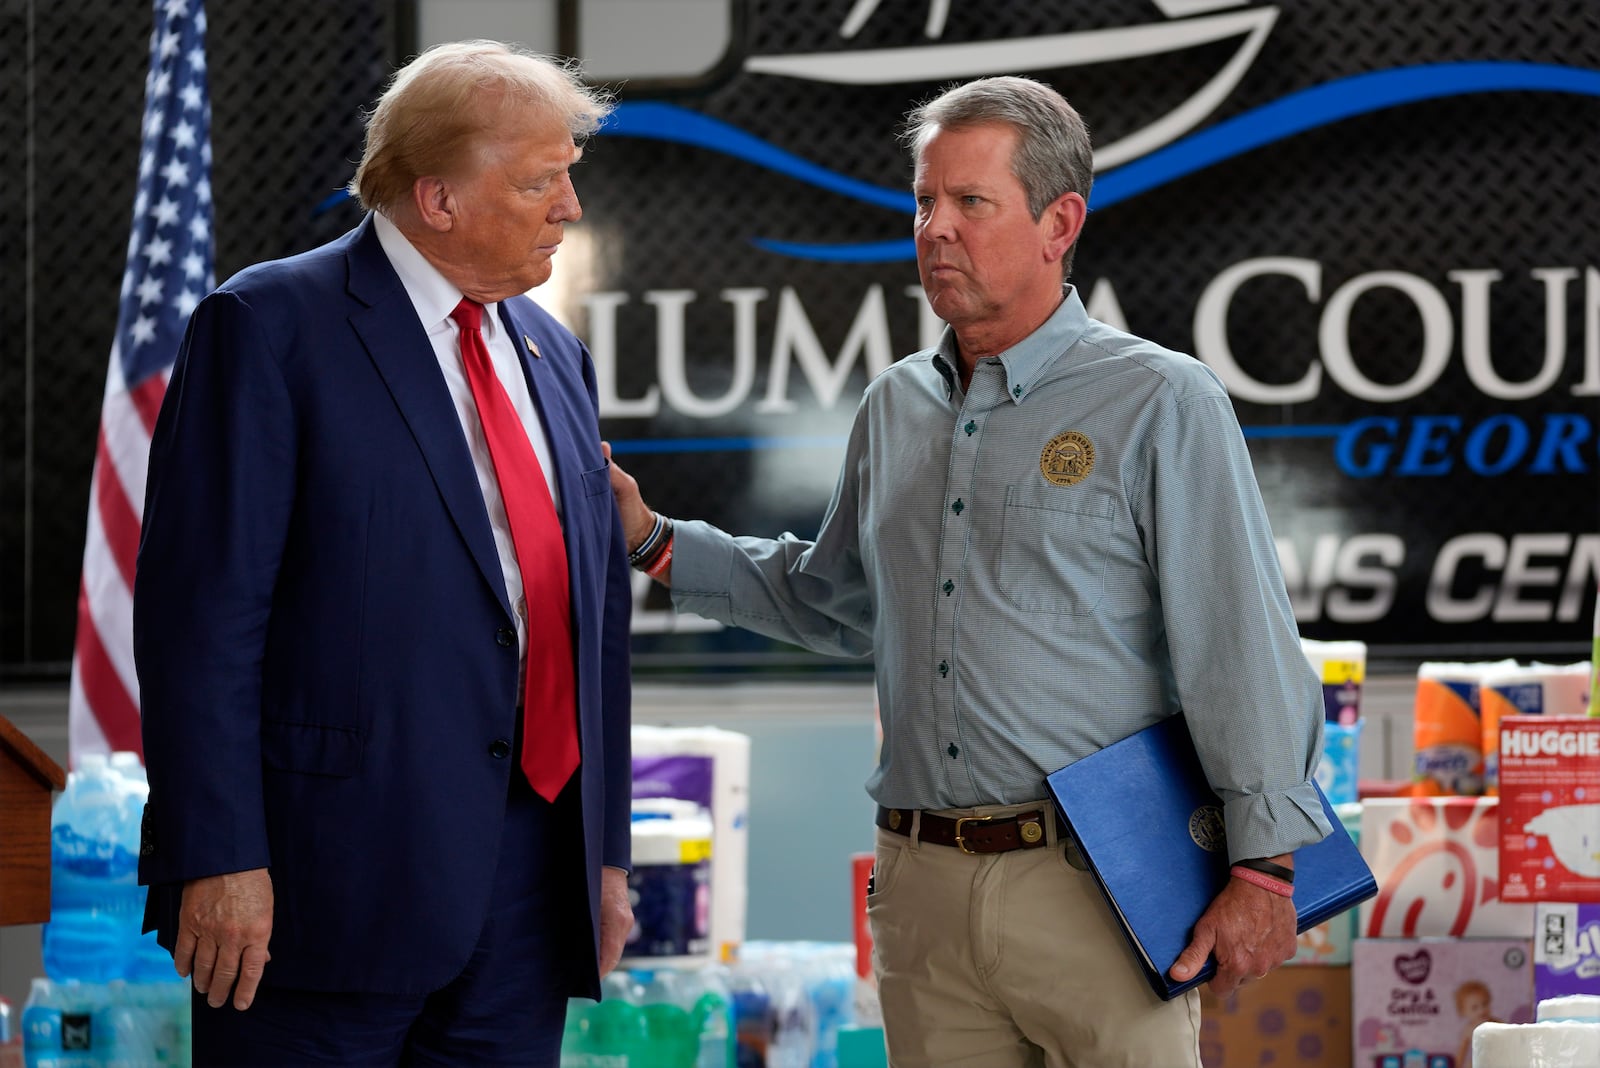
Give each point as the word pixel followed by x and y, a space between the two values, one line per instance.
pixel 1498 180
pixel 286 81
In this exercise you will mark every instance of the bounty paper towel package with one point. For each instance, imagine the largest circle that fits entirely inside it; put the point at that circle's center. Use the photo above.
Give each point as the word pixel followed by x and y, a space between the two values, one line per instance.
pixel 1447 728
pixel 1534 690
pixel 1417 1001
pixel 1566 950
pixel 1550 809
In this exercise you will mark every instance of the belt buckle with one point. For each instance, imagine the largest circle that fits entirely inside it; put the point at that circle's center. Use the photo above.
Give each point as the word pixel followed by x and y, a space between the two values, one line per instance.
pixel 961 842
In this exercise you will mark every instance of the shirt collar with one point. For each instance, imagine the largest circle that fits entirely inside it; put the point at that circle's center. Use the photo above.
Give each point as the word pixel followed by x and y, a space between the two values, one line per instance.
pixel 1026 362
pixel 432 294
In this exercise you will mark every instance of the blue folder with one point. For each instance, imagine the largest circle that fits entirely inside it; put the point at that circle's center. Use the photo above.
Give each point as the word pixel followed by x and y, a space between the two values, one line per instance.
pixel 1150 829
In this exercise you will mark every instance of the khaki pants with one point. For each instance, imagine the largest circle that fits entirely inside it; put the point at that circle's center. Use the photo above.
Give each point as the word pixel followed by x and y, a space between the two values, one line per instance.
pixel 1011 959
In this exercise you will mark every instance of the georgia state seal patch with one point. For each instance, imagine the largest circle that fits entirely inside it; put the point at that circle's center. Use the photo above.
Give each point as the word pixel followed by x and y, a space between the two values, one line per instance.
pixel 1067 459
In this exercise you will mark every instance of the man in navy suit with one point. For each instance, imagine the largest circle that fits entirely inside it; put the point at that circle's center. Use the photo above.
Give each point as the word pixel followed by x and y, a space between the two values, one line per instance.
pixel 338 629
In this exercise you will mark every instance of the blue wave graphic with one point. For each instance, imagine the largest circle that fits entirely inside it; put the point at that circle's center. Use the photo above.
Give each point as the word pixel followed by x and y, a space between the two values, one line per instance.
pixel 1308 109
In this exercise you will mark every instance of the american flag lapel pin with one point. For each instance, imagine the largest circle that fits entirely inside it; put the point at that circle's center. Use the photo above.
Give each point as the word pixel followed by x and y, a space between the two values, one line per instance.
pixel 528 341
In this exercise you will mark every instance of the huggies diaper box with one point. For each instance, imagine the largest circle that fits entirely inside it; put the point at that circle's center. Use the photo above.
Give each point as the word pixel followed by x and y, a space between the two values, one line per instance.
pixel 1417 1000
pixel 1550 809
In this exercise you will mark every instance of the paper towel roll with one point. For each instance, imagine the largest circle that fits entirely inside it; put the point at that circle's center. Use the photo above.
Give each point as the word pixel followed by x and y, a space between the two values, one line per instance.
pixel 1573 1008
pixel 1533 690
pixel 711 767
pixel 1536 1045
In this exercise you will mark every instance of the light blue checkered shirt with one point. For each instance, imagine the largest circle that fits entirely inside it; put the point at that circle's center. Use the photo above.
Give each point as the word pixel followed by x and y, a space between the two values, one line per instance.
pixel 1019 623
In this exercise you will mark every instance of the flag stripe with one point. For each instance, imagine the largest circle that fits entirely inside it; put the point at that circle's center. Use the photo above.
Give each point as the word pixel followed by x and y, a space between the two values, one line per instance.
pixel 116 712
pixel 168 270
pixel 118 517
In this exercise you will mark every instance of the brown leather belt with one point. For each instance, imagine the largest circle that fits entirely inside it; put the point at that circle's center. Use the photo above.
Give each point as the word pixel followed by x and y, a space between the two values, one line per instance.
pixel 970 834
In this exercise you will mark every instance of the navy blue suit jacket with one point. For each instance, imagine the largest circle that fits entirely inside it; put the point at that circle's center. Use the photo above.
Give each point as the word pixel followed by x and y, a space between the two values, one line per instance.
pixel 320 624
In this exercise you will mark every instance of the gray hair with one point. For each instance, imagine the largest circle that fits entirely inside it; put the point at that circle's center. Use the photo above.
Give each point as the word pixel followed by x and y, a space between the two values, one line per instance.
pixel 1053 154
pixel 450 98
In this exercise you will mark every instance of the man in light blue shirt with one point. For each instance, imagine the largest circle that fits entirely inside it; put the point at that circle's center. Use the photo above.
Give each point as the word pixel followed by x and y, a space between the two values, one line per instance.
pixel 1048 534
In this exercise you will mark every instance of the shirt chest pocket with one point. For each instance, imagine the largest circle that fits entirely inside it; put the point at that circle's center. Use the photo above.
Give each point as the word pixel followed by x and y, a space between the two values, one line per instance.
pixel 1052 550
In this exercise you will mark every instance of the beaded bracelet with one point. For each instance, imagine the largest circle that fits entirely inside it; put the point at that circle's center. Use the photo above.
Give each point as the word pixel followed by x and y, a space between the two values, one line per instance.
pixel 1266 867
pixel 1266 882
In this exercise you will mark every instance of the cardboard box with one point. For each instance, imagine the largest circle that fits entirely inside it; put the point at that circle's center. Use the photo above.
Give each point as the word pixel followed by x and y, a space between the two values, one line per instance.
pixel 1550 809
pixel 1416 1001
pixel 1566 950
pixel 1329 942
pixel 1437 862
pixel 1295 1016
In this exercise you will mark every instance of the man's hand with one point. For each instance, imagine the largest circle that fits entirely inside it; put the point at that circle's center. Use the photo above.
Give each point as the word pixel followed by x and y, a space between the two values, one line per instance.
pixel 637 518
pixel 224 925
pixel 1250 930
pixel 616 916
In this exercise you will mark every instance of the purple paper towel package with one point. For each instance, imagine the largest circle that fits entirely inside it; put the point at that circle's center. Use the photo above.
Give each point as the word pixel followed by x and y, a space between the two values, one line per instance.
pixel 1566 949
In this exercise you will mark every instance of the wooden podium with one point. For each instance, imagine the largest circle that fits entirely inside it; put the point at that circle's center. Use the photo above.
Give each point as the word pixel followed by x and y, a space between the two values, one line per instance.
pixel 27 778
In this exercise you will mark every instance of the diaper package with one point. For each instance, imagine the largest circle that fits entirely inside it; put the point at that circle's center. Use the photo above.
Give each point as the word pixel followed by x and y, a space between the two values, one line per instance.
pixel 1550 809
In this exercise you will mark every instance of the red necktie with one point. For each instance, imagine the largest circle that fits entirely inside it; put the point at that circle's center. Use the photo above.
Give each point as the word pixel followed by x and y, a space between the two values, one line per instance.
pixel 549 728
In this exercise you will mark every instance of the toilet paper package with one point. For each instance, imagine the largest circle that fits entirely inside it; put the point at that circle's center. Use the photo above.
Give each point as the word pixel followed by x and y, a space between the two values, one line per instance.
pixel 711 767
pixel 1447 727
pixel 1533 690
pixel 1536 1045
pixel 1550 809
pixel 1566 951
pixel 1417 1001
pixel 1342 668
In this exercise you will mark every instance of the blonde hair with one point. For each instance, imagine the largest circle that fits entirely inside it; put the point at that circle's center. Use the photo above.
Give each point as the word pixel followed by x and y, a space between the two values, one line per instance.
pixel 438 108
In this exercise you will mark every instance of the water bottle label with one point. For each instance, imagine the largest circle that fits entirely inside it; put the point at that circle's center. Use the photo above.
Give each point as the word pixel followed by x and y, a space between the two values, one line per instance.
pixel 76 1031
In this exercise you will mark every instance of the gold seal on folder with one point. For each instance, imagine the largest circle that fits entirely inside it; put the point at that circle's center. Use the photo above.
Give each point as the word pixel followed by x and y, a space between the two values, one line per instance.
pixel 1207 829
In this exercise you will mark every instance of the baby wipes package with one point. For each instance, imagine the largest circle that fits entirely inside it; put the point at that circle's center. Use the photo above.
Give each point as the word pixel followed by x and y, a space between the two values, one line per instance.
pixel 1550 809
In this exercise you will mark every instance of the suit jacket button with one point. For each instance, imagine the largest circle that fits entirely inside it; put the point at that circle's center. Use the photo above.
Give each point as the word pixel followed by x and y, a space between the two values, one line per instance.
pixel 505 637
pixel 499 748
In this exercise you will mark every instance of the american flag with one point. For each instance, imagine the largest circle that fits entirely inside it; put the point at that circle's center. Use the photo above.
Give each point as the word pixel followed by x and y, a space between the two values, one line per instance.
pixel 169 268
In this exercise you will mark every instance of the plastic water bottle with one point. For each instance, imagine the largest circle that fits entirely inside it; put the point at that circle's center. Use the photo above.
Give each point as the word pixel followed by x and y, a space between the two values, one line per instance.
pixel 96 903
pixel 711 1013
pixel 147 962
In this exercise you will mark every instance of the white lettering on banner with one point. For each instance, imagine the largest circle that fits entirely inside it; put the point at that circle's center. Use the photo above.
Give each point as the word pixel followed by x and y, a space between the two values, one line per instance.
pixel 1438 333
pixel 794 341
pixel 1520 742
pixel 1353 580
pixel 793 333
pixel 1526 591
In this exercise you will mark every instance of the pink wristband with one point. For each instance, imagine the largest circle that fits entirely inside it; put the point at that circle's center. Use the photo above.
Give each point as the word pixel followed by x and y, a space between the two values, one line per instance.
pixel 1266 882
pixel 662 562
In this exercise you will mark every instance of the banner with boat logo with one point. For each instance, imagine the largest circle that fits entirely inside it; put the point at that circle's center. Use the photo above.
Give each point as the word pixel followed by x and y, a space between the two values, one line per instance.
pixel 1373 220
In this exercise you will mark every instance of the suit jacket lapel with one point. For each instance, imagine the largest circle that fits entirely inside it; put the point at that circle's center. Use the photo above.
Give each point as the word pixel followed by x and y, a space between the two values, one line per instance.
pixel 398 346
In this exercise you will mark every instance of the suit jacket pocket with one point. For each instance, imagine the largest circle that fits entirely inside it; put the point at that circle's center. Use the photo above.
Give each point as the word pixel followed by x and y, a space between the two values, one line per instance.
pixel 597 481
pixel 310 748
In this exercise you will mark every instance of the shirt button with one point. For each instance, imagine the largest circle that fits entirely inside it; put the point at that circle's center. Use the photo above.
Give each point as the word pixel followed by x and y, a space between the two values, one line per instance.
pixel 948 587
pixel 505 637
pixel 1016 391
pixel 970 428
pixel 944 668
pixel 958 507
pixel 953 751
pixel 522 608
pixel 499 748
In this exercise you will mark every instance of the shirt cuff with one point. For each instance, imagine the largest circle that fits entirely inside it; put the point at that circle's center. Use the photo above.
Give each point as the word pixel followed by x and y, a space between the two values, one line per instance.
pixel 1265 825
pixel 702 570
